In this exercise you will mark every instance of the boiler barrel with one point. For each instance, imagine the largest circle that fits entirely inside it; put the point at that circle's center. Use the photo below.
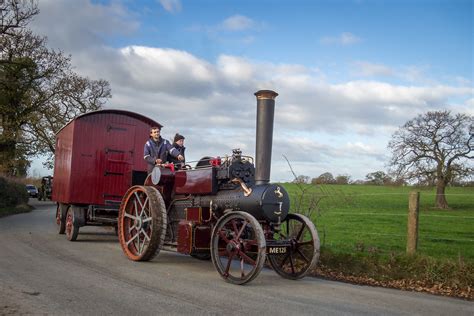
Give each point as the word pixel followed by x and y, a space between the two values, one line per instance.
pixel 266 202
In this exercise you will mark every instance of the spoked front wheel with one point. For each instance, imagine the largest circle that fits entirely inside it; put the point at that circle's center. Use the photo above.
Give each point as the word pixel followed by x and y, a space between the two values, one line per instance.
pixel 303 251
pixel 238 247
pixel 142 223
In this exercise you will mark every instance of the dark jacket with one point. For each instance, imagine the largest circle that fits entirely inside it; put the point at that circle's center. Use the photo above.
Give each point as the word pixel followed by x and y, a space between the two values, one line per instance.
pixel 157 150
pixel 180 150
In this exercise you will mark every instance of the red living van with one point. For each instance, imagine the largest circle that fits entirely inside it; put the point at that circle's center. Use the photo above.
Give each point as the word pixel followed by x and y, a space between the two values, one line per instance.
pixel 99 155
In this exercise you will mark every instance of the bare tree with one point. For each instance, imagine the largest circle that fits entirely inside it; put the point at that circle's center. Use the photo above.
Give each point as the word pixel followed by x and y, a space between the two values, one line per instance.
pixel 74 95
pixel 434 144
pixel 39 92
pixel 16 14
pixel 27 70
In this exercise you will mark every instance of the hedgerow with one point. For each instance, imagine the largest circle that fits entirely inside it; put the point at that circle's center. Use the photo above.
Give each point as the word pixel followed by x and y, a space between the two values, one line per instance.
pixel 12 193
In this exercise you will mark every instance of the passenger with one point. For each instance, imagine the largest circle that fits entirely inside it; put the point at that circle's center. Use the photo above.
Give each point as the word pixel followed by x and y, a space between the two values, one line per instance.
pixel 157 149
pixel 178 144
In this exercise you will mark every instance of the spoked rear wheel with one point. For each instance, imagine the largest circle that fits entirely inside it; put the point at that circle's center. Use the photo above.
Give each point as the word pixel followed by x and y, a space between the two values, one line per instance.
pixel 238 247
pixel 303 253
pixel 142 223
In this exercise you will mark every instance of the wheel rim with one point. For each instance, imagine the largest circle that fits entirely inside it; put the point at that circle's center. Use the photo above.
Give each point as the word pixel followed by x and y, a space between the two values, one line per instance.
pixel 58 215
pixel 238 247
pixel 137 223
pixel 303 253
pixel 69 222
pixel 142 223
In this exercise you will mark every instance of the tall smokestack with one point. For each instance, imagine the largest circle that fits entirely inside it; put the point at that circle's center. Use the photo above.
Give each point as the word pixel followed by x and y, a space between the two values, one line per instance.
pixel 263 148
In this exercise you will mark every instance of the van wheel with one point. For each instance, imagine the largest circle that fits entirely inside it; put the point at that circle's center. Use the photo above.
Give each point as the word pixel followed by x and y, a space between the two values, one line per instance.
pixel 72 229
pixel 61 211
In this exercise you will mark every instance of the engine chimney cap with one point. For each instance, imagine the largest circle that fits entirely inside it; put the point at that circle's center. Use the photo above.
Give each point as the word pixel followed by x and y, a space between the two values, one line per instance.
pixel 266 94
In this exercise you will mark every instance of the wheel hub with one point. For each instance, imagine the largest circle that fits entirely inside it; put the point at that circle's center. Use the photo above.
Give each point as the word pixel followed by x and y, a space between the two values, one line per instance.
pixel 293 244
pixel 69 224
pixel 138 223
pixel 232 246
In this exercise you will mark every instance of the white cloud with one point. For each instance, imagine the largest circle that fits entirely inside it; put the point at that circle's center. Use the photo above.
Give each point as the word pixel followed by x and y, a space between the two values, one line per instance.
pixel 238 23
pixel 364 68
pixel 397 96
pixel 415 74
pixel 318 124
pixel 470 102
pixel 463 81
pixel 234 30
pixel 235 69
pixel 344 39
pixel 468 106
pixel 80 25
pixel 306 101
pixel 214 106
pixel 360 149
pixel 156 69
pixel 172 6
pixel 248 40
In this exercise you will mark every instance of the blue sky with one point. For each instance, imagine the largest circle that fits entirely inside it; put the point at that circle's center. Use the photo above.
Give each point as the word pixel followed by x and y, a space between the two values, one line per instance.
pixel 398 33
pixel 349 73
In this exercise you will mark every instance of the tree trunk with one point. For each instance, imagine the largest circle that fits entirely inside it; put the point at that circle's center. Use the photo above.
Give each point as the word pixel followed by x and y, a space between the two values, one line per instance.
pixel 440 195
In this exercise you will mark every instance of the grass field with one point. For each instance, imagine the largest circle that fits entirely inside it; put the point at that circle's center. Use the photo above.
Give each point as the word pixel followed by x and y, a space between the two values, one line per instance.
pixel 373 219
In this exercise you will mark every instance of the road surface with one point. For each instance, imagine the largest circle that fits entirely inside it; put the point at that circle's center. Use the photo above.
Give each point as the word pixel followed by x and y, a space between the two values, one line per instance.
pixel 43 273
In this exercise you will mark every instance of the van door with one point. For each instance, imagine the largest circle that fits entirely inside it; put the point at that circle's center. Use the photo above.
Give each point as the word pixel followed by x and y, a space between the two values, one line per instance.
pixel 119 158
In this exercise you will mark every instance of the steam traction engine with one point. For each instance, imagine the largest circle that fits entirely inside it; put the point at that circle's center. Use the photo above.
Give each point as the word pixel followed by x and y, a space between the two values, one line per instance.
pixel 224 209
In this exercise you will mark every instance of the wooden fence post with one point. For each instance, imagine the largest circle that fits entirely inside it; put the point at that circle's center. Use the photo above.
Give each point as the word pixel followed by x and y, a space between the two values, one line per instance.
pixel 412 231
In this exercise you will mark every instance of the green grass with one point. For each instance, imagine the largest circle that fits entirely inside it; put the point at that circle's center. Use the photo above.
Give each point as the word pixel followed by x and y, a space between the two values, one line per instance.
pixel 373 219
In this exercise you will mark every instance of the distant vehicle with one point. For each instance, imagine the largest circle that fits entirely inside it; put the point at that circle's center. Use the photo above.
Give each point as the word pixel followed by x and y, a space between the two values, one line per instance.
pixel 32 190
pixel 46 188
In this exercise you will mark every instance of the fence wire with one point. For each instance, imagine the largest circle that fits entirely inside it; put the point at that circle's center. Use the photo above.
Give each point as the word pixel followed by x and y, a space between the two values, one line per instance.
pixel 354 221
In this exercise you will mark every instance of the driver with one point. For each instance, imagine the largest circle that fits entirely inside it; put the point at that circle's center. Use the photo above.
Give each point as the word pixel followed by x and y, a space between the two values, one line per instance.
pixel 157 149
